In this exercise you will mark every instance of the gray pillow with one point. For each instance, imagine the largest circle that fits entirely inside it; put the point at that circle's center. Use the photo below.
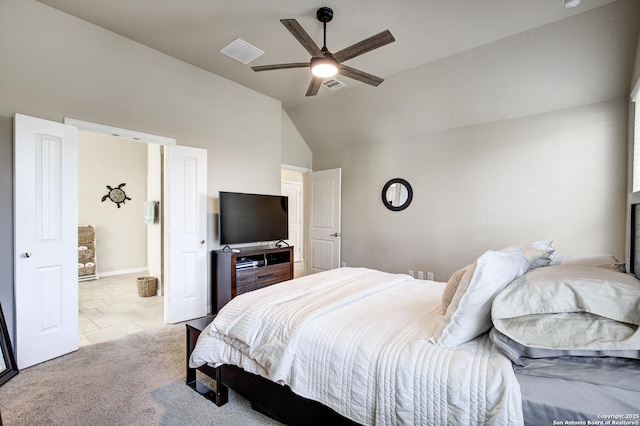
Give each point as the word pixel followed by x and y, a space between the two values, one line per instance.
pixel 519 353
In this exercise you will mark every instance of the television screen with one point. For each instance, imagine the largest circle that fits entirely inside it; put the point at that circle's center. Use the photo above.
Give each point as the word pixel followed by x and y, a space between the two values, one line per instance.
pixel 252 218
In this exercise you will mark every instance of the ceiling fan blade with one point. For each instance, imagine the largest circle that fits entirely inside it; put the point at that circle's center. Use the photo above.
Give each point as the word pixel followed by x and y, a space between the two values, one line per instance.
pixel 281 66
pixel 364 46
pixel 301 35
pixel 360 75
pixel 314 86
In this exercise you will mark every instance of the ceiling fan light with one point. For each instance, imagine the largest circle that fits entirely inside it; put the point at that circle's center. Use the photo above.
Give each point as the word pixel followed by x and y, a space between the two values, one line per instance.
pixel 324 67
pixel 570 3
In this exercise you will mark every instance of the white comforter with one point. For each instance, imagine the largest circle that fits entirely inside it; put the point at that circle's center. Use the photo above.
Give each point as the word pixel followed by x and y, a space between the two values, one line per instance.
pixel 356 340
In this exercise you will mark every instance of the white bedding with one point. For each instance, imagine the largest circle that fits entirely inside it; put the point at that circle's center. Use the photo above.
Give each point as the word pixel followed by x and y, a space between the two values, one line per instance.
pixel 357 340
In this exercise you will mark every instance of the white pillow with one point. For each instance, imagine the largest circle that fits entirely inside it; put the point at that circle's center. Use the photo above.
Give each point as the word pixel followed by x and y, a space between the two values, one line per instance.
pixel 544 245
pixel 571 307
pixel 469 313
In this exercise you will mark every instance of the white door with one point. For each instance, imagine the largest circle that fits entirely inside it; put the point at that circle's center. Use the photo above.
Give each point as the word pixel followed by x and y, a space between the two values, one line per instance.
pixel 185 233
pixel 293 190
pixel 322 195
pixel 46 239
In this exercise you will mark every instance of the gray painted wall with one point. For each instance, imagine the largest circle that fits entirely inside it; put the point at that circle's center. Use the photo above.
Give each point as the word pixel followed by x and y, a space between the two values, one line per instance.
pixel 55 66
pixel 6 222
pixel 636 67
pixel 525 138
pixel 556 176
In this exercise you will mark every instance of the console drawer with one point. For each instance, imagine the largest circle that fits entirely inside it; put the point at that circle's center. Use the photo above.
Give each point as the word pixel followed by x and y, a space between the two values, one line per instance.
pixel 255 278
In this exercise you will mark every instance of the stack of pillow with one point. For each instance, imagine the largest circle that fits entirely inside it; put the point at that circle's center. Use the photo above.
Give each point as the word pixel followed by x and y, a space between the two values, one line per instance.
pixel 590 303
pixel 587 307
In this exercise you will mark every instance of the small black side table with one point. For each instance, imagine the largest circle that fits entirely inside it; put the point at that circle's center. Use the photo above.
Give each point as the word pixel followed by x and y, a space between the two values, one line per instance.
pixel 221 395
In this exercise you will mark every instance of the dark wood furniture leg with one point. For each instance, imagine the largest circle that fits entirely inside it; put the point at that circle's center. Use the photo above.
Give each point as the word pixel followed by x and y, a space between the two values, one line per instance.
pixel 221 395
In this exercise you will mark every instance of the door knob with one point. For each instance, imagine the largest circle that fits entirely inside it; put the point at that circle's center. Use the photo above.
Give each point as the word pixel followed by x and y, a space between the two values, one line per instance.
pixel 202 242
pixel 26 254
pixel 335 234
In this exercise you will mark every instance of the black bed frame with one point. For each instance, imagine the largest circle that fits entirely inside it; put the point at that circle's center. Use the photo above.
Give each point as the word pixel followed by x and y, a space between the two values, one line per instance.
pixel 280 403
pixel 634 234
pixel 276 401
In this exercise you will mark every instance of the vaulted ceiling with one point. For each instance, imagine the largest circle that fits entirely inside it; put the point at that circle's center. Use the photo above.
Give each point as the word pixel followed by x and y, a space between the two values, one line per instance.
pixel 453 63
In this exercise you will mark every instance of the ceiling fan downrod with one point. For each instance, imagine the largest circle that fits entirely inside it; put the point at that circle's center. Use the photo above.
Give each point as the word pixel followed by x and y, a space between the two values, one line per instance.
pixel 324 15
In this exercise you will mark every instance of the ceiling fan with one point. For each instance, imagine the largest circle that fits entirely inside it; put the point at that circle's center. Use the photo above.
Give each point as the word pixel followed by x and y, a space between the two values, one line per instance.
pixel 325 64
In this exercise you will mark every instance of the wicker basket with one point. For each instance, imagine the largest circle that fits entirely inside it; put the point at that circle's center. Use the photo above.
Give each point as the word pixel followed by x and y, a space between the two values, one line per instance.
pixel 146 286
pixel 86 254
pixel 86 270
pixel 86 234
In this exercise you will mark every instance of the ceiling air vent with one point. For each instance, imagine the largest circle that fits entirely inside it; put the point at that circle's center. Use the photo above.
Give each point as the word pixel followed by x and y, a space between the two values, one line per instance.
pixel 241 51
pixel 333 84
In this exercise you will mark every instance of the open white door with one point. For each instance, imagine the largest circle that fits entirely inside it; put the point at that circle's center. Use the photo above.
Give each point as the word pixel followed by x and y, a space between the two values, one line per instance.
pixel 323 195
pixel 185 232
pixel 46 239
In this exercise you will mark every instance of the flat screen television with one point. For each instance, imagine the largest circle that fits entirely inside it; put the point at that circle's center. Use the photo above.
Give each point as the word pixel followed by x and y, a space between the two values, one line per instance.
pixel 252 218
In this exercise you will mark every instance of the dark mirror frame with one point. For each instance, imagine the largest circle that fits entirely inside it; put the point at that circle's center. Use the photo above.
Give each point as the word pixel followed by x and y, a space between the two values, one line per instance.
pixel 11 368
pixel 409 194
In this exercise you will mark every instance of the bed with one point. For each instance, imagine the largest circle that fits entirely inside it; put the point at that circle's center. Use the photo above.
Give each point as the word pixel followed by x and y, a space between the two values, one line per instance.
pixel 517 337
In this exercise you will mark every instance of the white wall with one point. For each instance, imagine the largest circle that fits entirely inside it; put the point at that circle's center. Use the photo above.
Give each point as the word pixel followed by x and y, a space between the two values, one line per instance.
pixel 294 149
pixel 559 175
pixel 121 235
pixel 291 176
pixel 55 66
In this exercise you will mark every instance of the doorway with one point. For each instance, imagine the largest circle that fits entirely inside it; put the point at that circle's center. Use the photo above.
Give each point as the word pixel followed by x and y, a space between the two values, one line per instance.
pixel 46 152
pixel 126 246
pixel 292 185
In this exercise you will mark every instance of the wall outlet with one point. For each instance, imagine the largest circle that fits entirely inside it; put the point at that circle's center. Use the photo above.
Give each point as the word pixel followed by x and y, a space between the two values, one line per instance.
pixel 411 272
pixel 420 275
pixel 343 264
pixel 430 276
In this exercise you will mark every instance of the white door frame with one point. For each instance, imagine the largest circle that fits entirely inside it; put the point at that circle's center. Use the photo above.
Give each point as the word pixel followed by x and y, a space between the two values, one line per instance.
pixel 298 243
pixel 117 132
pixel 303 222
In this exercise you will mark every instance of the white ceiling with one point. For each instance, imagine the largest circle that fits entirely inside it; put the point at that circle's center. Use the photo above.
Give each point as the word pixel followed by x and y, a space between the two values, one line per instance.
pixel 425 30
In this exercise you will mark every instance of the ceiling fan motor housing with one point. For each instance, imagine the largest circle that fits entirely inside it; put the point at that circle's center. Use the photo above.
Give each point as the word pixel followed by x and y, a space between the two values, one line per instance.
pixel 324 14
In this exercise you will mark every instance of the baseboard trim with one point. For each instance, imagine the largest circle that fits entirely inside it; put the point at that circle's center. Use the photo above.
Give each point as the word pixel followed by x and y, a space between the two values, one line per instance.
pixel 123 272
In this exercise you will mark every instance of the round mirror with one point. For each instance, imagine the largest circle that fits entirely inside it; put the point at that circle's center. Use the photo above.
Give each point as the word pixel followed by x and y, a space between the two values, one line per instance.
pixel 397 194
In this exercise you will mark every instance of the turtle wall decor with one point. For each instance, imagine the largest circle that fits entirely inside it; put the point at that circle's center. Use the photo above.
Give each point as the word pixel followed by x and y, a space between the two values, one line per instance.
pixel 116 195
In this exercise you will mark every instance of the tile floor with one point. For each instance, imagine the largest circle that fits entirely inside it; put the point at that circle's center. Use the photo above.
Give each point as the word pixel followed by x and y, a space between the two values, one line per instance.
pixel 110 308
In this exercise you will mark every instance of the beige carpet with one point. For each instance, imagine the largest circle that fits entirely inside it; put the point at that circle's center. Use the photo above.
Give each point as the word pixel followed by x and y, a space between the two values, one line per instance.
pixel 136 380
